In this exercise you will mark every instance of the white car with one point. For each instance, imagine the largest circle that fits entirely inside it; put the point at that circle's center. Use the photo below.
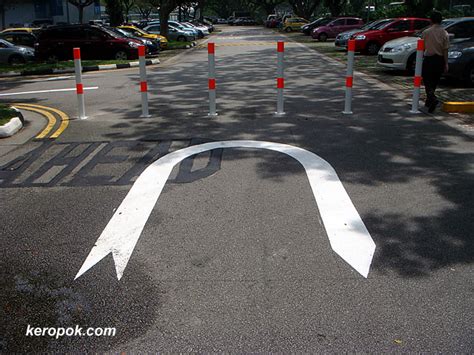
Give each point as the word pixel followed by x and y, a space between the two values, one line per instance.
pixel 203 29
pixel 400 53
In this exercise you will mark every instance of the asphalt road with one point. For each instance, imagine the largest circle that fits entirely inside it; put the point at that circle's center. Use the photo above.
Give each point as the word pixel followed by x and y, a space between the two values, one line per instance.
pixel 235 256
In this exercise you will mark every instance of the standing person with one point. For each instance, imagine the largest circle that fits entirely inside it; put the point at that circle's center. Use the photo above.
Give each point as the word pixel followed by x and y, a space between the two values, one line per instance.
pixel 435 60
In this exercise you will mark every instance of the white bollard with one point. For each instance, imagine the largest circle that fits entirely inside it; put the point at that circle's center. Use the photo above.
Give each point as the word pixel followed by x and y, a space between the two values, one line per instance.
pixel 212 79
pixel 420 48
pixel 143 81
pixel 79 86
pixel 280 77
pixel 349 77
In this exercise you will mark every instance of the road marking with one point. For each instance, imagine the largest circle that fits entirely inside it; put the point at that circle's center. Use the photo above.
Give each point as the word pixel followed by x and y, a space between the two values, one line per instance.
pixel 345 229
pixel 46 111
pixel 46 91
pixel 64 117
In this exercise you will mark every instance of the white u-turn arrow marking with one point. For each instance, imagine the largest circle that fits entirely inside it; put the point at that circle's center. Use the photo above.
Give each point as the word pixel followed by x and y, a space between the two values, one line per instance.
pixel 347 233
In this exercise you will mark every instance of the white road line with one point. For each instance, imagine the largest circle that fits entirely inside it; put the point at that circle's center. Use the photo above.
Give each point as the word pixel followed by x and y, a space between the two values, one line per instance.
pixel 46 91
pixel 347 233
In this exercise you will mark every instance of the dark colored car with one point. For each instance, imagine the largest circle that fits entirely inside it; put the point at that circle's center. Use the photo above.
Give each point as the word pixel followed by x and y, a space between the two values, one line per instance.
pixel 372 40
pixel 96 42
pixel 308 28
pixel 19 38
pixel 461 61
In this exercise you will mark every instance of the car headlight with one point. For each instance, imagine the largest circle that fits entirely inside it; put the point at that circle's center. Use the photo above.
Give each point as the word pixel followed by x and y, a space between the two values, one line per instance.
pixel 360 37
pixel 148 43
pixel 403 47
pixel 454 54
pixel 133 44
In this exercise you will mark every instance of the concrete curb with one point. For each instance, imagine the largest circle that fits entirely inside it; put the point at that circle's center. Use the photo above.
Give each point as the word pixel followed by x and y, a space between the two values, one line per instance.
pixel 11 127
pixel 84 69
pixel 193 44
pixel 462 107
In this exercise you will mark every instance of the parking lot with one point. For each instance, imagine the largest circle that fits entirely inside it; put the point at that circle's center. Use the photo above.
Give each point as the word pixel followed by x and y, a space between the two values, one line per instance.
pixel 249 231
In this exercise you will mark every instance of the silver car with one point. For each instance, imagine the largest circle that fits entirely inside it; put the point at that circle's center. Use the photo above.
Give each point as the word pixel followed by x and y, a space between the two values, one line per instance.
pixel 400 53
pixel 11 54
pixel 174 34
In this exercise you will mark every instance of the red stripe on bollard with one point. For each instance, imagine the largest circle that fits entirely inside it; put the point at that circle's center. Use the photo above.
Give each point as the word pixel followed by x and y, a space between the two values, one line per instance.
pixel 349 81
pixel 420 46
pixel 417 81
pixel 351 45
pixel 280 83
pixel 212 84
pixel 76 53
pixel 280 46
pixel 141 51
pixel 143 86
pixel 79 89
pixel 210 48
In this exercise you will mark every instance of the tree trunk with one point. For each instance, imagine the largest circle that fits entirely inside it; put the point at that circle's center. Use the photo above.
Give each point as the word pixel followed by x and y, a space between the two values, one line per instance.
pixel 164 17
pixel 80 10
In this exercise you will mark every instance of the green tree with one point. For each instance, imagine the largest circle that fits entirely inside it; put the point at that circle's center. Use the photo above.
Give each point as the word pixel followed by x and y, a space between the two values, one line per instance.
pixel 304 8
pixel 336 7
pixel 81 4
pixel 127 5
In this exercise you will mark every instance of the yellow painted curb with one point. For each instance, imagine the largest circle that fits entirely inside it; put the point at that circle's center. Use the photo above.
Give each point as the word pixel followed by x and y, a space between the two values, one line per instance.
pixel 467 107
pixel 48 113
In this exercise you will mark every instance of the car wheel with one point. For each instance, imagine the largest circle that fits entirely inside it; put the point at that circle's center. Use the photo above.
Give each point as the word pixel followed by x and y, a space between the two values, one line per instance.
pixel 16 59
pixel 181 39
pixel 288 29
pixel 322 37
pixel 411 63
pixel 372 48
pixel 121 55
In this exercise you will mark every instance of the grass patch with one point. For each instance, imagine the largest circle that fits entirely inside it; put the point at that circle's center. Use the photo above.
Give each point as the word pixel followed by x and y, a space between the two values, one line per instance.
pixel 177 45
pixel 6 114
pixel 59 65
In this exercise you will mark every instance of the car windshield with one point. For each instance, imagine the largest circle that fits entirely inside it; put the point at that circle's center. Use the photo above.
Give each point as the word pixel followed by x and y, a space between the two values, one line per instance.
pixel 377 24
pixel 444 24
pixel 323 21
pixel 120 32
pixel 382 24
pixel 6 43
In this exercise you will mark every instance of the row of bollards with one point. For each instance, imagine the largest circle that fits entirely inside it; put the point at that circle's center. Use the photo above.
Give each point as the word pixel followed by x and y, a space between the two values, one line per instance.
pixel 280 79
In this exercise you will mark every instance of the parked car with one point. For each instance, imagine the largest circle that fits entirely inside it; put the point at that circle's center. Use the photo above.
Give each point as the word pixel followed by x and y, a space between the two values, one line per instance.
pixel 33 30
pixel 230 20
pixel 461 61
pixel 309 27
pixel 11 54
pixel 400 53
pixel 174 34
pixel 138 32
pixel 20 38
pixel 152 45
pixel 244 21
pixel 372 40
pixel 336 26
pixel 269 20
pixel 294 24
pixel 186 28
pixel 342 38
pixel 96 42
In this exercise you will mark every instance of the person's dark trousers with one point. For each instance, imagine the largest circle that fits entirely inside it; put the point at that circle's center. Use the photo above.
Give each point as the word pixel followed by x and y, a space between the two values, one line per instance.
pixel 433 67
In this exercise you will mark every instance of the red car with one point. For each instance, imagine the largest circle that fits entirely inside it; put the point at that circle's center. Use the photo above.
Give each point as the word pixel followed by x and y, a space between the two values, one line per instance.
pixel 371 41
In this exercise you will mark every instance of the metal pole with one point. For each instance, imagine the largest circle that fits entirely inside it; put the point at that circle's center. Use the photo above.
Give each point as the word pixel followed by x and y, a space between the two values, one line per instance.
pixel 143 81
pixel 420 48
pixel 212 79
pixel 349 77
pixel 280 77
pixel 79 86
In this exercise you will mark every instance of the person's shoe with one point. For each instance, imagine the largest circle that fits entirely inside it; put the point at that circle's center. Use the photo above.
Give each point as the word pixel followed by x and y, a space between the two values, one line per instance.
pixel 432 106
